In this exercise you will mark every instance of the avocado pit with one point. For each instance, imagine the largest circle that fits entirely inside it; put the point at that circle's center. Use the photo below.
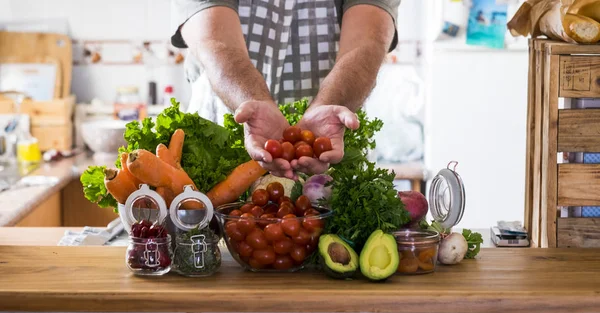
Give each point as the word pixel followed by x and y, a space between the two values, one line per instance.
pixel 338 253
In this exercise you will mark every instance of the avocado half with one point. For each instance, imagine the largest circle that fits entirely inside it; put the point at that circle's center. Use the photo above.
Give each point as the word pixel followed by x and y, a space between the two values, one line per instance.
pixel 339 260
pixel 379 257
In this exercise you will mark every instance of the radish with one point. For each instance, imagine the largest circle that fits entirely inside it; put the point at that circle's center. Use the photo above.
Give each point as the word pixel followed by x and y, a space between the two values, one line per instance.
pixel 415 203
pixel 452 249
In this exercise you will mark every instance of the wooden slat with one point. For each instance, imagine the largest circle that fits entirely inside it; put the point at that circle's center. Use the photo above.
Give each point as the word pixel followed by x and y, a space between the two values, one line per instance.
pixel 549 209
pixel 579 184
pixel 95 279
pixel 578 130
pixel 579 232
pixel 530 141
pixel 580 76
pixel 558 47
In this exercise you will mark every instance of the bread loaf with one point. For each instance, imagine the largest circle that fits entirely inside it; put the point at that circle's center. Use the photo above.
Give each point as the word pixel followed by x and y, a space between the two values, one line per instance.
pixel 581 28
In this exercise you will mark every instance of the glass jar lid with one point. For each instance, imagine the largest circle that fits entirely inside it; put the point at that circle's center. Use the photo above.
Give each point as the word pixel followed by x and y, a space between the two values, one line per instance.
pixel 447 197
pixel 191 209
pixel 416 237
pixel 149 198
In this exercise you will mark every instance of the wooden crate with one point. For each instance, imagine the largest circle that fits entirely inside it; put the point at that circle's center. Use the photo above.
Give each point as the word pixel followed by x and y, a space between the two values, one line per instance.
pixel 561 70
pixel 51 121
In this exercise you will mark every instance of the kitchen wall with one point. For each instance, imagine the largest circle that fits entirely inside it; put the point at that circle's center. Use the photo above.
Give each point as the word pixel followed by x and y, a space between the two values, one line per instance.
pixel 138 20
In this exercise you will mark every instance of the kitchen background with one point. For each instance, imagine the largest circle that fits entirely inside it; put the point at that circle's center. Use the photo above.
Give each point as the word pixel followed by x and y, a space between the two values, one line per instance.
pixel 440 99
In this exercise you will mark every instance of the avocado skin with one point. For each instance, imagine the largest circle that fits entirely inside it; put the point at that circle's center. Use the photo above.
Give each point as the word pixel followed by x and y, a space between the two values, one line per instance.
pixel 336 270
pixel 390 242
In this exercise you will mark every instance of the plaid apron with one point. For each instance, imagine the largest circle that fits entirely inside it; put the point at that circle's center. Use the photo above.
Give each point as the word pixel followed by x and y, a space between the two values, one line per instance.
pixel 293 43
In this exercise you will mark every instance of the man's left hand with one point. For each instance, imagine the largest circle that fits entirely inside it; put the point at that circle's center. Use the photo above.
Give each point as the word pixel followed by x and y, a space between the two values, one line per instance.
pixel 326 121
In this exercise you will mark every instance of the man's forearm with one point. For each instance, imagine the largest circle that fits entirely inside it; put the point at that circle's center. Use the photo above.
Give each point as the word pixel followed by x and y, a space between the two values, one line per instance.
pixel 366 36
pixel 221 51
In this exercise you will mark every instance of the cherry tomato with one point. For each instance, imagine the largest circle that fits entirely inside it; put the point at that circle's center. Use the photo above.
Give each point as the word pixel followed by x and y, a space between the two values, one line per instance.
pixel 246 223
pixel 300 143
pixel 263 222
pixel 275 191
pixel 313 225
pixel 408 265
pixel 235 213
pixel 246 207
pixel 302 204
pixel 304 150
pixel 271 208
pixel 310 248
pixel 283 262
pixel 274 148
pixel 292 215
pixel 303 237
pixel 244 249
pixel 284 199
pixel 307 136
pixel 256 239
pixel 311 212
pixel 288 151
pixel 284 210
pixel 292 134
pixel 298 253
pixel 273 232
pixel 260 197
pixel 254 264
pixel 234 233
pixel 322 144
pixel 245 258
pixel 264 256
pixel 256 211
pixel 283 246
pixel 290 226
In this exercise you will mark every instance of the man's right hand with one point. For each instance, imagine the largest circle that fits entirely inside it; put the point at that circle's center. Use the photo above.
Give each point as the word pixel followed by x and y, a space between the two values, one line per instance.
pixel 263 121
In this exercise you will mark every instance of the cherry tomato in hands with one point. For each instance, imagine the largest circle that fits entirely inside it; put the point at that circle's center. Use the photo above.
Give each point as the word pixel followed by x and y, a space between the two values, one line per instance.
pixel 322 144
pixel 287 151
pixel 307 136
pixel 304 150
pixel 274 148
pixel 292 134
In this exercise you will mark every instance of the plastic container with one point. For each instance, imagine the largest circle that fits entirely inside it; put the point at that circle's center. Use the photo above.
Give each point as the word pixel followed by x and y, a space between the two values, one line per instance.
pixel 300 249
pixel 418 249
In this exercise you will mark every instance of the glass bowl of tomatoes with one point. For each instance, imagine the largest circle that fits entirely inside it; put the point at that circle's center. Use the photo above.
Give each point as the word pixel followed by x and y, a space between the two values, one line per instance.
pixel 272 233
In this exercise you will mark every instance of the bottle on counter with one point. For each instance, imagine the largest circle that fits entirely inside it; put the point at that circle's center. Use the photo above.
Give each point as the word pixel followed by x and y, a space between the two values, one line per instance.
pixel 128 105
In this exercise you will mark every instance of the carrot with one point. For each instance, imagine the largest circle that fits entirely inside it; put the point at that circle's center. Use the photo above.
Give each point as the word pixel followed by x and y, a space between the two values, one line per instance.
pixel 126 171
pixel 153 171
pixel 176 145
pixel 163 153
pixel 236 183
pixel 118 184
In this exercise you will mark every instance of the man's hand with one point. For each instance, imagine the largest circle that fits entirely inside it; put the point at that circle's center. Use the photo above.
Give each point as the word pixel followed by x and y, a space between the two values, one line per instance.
pixel 325 121
pixel 263 121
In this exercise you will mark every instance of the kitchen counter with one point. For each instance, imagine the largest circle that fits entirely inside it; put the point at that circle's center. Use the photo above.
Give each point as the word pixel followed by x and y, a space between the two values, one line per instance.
pixel 96 279
pixel 16 203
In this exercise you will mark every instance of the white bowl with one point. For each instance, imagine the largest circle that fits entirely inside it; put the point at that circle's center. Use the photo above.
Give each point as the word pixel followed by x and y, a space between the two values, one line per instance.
pixel 104 136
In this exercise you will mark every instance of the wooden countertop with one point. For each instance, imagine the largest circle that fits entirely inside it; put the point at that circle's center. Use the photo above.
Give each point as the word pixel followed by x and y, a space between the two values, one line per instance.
pixel 502 280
